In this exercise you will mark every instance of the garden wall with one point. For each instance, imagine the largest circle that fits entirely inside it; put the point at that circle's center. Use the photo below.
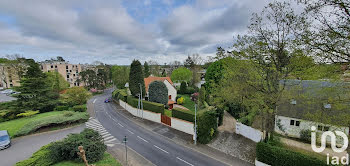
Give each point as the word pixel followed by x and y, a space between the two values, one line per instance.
pixel 178 124
pixel 155 117
pixel 249 132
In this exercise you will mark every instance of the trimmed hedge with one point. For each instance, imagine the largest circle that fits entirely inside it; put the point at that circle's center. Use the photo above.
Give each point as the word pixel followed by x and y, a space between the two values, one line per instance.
pixel 79 108
pixel 179 113
pixel 207 125
pixel 274 155
pixel 147 105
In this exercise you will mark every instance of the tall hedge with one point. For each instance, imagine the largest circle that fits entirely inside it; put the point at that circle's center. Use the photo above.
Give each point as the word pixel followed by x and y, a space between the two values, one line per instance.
pixel 207 125
pixel 158 92
pixel 276 156
pixel 136 78
pixel 147 105
pixel 179 113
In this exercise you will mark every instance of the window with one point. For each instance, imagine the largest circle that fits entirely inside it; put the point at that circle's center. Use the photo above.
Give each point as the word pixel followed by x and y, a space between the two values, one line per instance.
pixel 55 66
pixel 297 123
pixel 67 76
pixel 70 71
pixel 322 128
pixel 292 122
pixel 73 75
pixel 169 96
pixel 326 128
pixel 51 66
pixel 66 67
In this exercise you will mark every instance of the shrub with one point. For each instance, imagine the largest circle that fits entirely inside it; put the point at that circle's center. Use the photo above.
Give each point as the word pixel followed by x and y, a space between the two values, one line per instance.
pixel 147 105
pixel 158 92
pixel 305 135
pixel 120 94
pixel 207 126
pixel 76 96
pixel 177 97
pixel 27 113
pixel 275 156
pixel 40 158
pixel 68 114
pixel 179 113
pixel 183 88
pixel 80 108
pixel 60 119
pixel 61 108
pixel 68 148
pixel 180 100
pixel 190 90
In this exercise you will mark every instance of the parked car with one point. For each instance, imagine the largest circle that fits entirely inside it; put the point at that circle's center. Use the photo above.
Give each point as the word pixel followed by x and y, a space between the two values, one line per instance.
pixel 5 141
pixel 7 91
pixel 108 100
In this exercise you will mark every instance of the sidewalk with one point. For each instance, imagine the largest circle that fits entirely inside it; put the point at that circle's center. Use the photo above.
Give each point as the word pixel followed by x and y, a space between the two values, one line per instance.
pixel 181 138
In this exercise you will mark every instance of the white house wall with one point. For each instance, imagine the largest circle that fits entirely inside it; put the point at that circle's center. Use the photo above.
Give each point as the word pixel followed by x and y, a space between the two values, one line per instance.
pixel 294 131
pixel 171 90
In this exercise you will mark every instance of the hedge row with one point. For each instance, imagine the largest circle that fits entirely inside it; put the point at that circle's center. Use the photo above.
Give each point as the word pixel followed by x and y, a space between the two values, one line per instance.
pixel 147 105
pixel 179 113
pixel 40 158
pixel 274 155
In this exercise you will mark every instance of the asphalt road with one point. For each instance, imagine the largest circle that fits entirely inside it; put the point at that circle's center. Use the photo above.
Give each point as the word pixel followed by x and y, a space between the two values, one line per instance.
pixel 5 98
pixel 156 149
pixel 22 148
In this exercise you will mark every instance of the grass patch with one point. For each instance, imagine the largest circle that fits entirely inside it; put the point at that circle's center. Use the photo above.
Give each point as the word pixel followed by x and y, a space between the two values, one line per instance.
pixel 107 160
pixel 167 112
pixel 188 103
pixel 24 126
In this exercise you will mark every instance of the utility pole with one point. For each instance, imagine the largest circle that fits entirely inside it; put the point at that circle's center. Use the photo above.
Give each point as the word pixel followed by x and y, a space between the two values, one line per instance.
pixel 125 140
pixel 195 124
pixel 141 104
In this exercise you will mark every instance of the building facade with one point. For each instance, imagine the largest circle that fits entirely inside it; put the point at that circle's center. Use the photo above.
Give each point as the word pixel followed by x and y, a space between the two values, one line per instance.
pixel 69 71
pixel 8 76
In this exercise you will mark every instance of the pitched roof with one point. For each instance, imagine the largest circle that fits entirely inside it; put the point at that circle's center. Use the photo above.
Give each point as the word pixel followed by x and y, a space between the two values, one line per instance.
pixel 150 79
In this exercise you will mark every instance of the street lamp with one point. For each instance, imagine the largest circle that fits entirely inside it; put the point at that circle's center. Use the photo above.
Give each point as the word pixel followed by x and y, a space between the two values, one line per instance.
pixel 141 106
pixel 195 99
pixel 125 140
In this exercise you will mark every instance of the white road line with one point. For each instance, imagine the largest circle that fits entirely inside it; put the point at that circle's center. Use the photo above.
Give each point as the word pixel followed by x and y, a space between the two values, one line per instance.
pixel 94 101
pixel 129 131
pixel 104 132
pixel 111 140
pixel 110 145
pixel 108 138
pixel 120 125
pixel 160 149
pixel 94 127
pixel 184 161
pixel 105 135
pixel 92 124
pixel 142 139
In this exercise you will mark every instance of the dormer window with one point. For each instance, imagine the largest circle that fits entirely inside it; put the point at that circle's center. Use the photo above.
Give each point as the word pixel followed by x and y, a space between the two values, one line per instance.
pixel 327 106
pixel 293 101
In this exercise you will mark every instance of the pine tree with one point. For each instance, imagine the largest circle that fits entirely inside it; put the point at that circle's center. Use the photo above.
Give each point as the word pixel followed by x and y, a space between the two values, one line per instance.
pixel 35 93
pixel 136 78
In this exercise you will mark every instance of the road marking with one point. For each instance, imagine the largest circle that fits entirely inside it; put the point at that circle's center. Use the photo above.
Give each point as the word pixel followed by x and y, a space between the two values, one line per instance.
pixel 105 132
pixel 142 139
pixel 129 131
pixel 93 124
pixel 94 127
pixel 105 135
pixel 160 149
pixel 108 138
pixel 111 140
pixel 94 101
pixel 120 125
pixel 110 145
pixel 184 161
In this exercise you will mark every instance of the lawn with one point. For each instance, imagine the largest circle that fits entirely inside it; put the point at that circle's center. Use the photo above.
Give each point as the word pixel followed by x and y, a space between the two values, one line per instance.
pixel 107 160
pixel 27 125
pixel 188 103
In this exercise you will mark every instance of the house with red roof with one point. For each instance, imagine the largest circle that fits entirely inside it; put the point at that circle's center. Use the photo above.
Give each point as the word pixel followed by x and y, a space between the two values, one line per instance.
pixel 172 92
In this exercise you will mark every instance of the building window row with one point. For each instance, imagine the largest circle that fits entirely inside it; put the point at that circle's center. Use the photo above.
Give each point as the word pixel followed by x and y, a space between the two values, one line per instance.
pixel 295 123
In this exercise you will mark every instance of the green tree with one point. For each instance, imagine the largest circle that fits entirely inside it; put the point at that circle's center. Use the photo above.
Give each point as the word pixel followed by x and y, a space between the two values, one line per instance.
pixel 35 93
pixel 120 76
pixel 56 81
pixel 158 92
pixel 146 69
pixel 76 96
pixel 183 88
pixel 181 74
pixel 136 78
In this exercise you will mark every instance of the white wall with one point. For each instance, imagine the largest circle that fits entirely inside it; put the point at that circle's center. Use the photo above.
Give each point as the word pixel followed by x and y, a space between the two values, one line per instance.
pixel 294 131
pixel 182 125
pixel 249 132
pixel 155 117
pixel 171 90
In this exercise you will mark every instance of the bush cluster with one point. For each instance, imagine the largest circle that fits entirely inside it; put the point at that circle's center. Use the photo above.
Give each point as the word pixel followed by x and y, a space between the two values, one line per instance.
pixel 179 113
pixel 120 94
pixel 67 150
pixel 28 113
pixel 79 108
pixel 305 135
pixel 61 108
pixel 207 125
pixel 275 156
pixel 158 92
pixel 147 105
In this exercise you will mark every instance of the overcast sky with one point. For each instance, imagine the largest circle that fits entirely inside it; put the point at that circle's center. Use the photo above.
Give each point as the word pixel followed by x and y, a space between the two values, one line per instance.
pixel 118 31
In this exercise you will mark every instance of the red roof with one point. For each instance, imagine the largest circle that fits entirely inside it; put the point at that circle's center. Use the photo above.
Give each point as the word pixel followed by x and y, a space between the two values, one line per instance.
pixel 150 79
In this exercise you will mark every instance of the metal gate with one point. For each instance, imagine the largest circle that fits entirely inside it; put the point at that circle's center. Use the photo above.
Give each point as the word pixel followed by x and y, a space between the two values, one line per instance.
pixel 166 120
